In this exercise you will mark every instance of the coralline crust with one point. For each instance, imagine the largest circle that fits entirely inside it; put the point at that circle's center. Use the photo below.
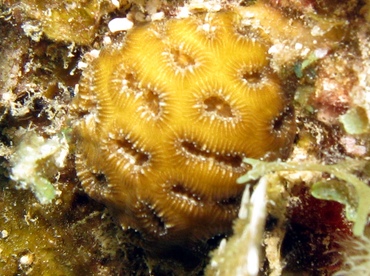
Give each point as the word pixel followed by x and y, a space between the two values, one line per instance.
pixel 165 118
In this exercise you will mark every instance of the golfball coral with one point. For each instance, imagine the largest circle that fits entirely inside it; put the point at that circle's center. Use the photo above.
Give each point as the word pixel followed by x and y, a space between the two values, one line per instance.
pixel 165 117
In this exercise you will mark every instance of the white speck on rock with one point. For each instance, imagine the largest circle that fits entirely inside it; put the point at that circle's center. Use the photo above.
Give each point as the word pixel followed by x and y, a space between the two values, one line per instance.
pixel 157 16
pixel 183 12
pixel 26 259
pixel 4 234
pixel 298 46
pixel 317 31
pixel 276 48
pixel 320 53
pixel 120 24
pixel 115 3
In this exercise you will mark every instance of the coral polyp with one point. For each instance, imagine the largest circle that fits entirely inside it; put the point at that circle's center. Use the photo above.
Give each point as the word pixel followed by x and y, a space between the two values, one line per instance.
pixel 165 118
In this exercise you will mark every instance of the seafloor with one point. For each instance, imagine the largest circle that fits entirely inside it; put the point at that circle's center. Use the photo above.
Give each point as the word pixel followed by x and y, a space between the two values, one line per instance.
pixel 309 216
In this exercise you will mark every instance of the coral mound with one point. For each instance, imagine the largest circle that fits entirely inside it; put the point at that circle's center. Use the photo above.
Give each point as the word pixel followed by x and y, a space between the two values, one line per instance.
pixel 165 117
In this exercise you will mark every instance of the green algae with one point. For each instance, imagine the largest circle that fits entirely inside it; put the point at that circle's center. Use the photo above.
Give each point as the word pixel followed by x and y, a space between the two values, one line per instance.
pixel 36 158
pixel 339 192
pixel 357 211
pixel 355 121
pixel 65 21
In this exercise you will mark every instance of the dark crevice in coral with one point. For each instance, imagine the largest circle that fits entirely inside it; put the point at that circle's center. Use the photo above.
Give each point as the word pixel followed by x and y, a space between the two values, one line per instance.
pixel 180 190
pixel 129 148
pixel 230 204
pixel 234 161
pixel 252 77
pixel 101 178
pixel 231 160
pixel 153 221
pixel 231 201
pixel 153 101
pixel 217 105
pixel 181 59
pixel 131 81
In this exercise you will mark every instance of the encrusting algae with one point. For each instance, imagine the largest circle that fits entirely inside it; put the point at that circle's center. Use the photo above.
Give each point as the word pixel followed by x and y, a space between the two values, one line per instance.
pixel 165 117
pixel 65 21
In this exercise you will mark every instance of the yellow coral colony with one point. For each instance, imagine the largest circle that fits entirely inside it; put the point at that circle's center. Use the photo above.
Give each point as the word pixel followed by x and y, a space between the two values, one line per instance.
pixel 165 118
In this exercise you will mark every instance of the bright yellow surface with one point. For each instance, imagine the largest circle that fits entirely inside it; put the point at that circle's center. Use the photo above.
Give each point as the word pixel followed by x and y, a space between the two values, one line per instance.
pixel 166 118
